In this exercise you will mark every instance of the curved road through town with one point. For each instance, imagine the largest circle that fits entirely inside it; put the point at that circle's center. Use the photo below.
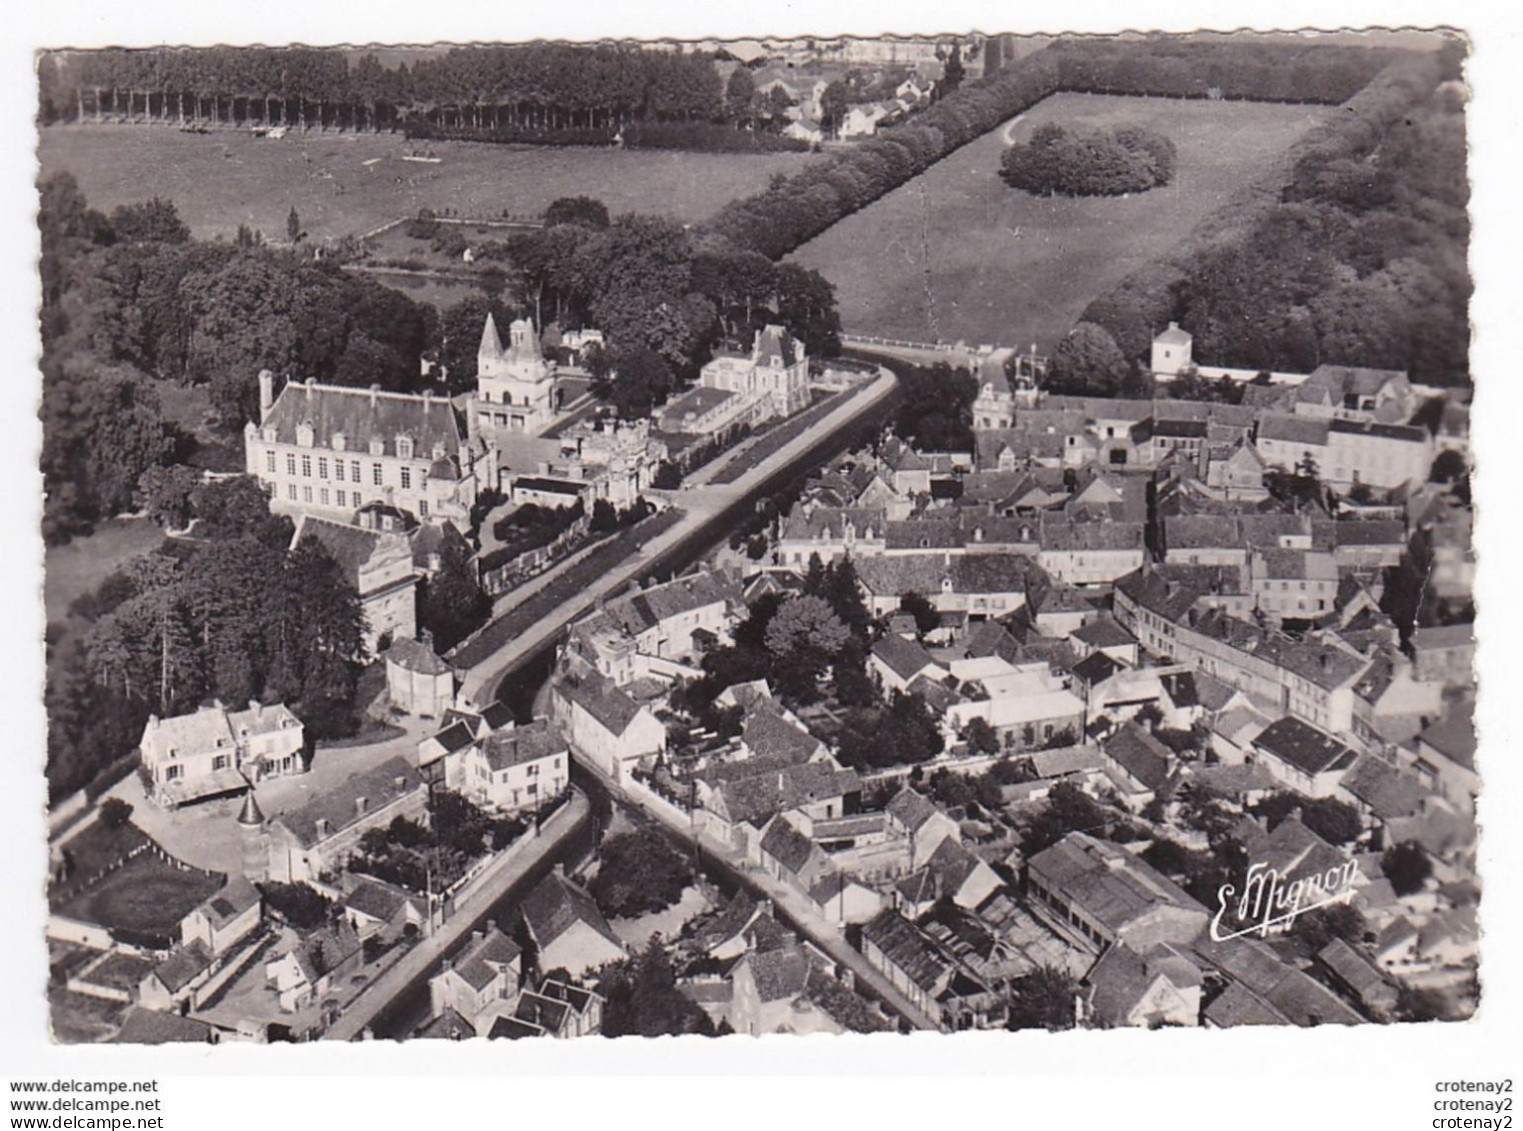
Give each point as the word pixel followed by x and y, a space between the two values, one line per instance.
pixel 708 508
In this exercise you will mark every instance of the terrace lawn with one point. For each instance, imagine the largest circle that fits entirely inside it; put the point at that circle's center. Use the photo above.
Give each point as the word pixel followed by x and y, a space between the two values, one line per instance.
pixel 957 255
pixel 145 894
pixel 78 567
pixel 226 178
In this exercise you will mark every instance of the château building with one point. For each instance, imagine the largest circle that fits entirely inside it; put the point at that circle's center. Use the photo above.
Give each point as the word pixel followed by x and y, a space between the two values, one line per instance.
pixel 516 386
pixel 328 450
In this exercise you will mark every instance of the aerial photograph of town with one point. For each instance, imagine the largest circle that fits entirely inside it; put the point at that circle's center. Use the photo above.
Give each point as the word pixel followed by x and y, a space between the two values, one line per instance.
pixel 757 536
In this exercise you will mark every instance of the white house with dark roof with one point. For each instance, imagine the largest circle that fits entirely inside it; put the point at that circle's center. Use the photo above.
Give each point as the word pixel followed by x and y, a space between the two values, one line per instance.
pixel 521 767
pixel 1308 760
pixel 226 919
pixel 486 974
pixel 568 931
pixel 214 751
pixel 896 662
pixel 603 724
pixel 418 680
pixel 328 450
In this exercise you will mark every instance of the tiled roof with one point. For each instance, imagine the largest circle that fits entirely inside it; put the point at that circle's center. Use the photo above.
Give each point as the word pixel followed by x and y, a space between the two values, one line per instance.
pixel 952 864
pixel 527 743
pixel 363 415
pixel 485 957
pixel 781 974
pixel 415 656
pixel 1292 429
pixel 785 844
pixel 379 786
pixel 905 658
pixel 602 699
pixel 768 735
pixel 556 904
pixel 1096 668
pixel 1140 755
pixel 908 949
pixel 1387 792
pixel 1443 636
pixel 758 797
pixel 1370 532
pixel 1103 632
pixel 1454 737
pixel 911 808
pixel 1061 535
pixel 150 1027
pixel 1237 1005
pixel 1303 746
pixel 351 547
pixel 377 899
pixel 183 966
pixel 236 897
pixel 1112 886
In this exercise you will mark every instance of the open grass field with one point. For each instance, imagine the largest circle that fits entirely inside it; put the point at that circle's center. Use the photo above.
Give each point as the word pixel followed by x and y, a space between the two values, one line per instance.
pixel 78 567
pixel 226 178
pixel 145 894
pixel 956 255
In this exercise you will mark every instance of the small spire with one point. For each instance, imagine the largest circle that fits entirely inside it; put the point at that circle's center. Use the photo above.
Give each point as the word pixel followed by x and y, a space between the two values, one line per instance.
pixel 250 816
pixel 491 344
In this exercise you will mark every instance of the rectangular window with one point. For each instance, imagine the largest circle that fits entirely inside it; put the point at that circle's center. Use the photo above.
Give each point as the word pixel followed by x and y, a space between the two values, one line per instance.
pixel 354 470
pixel 306 494
pixel 323 496
pixel 290 464
pixel 423 507
pixel 407 479
pixel 291 491
pixel 322 468
pixel 375 474
pixel 338 470
pixel 269 462
pixel 219 762
pixel 306 467
pixel 531 771
pixel 341 499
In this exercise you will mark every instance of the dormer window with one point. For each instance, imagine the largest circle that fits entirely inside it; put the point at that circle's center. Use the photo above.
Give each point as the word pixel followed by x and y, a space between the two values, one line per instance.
pixel 439 452
pixel 269 435
pixel 377 447
pixel 404 447
pixel 305 434
pixel 338 441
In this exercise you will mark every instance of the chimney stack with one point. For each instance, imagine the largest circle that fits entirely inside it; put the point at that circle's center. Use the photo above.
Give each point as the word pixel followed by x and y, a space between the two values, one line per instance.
pixel 374 395
pixel 266 393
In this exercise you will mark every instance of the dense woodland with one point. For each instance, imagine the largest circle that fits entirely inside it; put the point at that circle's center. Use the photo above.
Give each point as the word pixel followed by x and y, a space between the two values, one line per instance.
pixel 230 614
pixel 1354 252
pixel 1063 162
pixel 132 306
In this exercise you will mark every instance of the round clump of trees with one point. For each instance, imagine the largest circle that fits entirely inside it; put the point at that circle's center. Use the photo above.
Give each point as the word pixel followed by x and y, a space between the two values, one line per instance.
pixel 1069 162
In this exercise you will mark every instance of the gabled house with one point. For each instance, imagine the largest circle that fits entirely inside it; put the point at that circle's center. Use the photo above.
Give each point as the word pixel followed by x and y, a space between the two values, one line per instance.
pixel 896 662
pixel 380 567
pixel 1126 989
pixel 215 752
pixel 376 908
pixel 314 965
pixel 487 972
pixel 1360 978
pixel 226 919
pixel 1308 760
pixel 604 724
pixel 517 768
pixel 1138 764
pixel 914 816
pixel 568 931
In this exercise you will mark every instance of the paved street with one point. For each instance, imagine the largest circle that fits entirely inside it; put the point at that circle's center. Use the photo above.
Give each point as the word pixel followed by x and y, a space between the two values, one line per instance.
pixel 701 503
pixel 505 871
pixel 824 934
